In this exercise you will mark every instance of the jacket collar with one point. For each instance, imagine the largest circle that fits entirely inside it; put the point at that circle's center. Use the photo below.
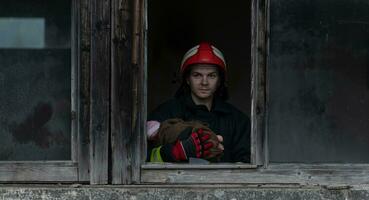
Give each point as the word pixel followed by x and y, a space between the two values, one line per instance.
pixel 218 104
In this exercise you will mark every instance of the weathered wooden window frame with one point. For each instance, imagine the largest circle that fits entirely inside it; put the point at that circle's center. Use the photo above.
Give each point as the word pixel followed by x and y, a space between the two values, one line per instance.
pixel 260 171
pixel 107 113
pixel 65 170
pixel 259 49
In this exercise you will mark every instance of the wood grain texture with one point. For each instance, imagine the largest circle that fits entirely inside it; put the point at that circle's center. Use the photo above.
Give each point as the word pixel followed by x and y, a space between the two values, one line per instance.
pixel 259 50
pixel 144 71
pixel 274 174
pixel 121 92
pixel 139 85
pixel 197 166
pixel 74 78
pixel 38 171
pixel 100 90
pixel 84 50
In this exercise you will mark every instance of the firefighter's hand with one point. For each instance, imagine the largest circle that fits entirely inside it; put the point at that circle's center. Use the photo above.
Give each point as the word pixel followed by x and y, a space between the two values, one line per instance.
pixel 183 149
pixel 220 145
pixel 210 144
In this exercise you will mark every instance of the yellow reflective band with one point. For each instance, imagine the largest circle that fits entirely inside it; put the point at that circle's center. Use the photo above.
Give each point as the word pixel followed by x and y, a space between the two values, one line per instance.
pixel 155 155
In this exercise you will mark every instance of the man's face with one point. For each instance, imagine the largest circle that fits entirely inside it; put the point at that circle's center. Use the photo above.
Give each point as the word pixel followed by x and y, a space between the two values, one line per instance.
pixel 203 81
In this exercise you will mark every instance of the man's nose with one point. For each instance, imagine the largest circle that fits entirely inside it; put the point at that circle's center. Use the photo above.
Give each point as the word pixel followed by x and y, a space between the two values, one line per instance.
pixel 204 80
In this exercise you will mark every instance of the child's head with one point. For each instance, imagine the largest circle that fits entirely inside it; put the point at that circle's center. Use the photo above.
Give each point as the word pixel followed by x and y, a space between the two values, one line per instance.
pixel 152 128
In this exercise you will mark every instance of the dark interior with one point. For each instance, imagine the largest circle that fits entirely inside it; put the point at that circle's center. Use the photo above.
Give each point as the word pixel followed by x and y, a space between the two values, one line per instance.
pixel 176 26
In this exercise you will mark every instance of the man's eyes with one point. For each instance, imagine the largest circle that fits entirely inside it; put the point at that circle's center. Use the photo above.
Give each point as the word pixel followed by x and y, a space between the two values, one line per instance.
pixel 213 75
pixel 196 75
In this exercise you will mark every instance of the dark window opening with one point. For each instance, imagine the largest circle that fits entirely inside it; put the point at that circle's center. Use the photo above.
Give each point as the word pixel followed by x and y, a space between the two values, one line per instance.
pixel 174 27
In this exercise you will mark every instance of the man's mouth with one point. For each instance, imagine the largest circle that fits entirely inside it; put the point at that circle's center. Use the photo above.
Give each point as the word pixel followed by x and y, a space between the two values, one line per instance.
pixel 204 91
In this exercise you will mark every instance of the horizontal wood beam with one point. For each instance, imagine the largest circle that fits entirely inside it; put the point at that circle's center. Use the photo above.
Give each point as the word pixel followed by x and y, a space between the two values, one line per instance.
pixel 42 171
pixel 197 166
pixel 330 174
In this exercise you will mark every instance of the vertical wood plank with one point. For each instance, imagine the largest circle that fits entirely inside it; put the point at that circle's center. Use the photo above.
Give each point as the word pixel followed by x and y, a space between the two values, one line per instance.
pixel 100 90
pixel 254 148
pixel 84 90
pixel 144 81
pixel 138 89
pixel 75 57
pixel 259 50
pixel 266 34
pixel 121 92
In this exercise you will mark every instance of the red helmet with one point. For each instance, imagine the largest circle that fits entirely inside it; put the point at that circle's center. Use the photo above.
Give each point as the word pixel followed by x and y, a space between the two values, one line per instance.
pixel 204 53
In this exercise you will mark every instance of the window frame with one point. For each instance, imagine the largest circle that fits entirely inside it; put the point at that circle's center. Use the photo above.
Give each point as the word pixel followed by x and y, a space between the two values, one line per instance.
pixel 109 99
pixel 260 171
pixel 259 52
pixel 73 170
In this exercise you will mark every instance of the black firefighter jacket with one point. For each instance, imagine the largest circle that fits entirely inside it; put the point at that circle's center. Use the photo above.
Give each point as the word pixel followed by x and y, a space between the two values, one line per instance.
pixel 223 119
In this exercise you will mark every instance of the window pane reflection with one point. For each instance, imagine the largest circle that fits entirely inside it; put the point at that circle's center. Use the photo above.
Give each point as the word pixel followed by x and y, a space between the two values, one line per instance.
pixel 22 33
pixel 35 76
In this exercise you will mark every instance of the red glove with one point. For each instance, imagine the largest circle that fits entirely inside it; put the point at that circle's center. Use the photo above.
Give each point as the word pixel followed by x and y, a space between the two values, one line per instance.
pixel 199 144
pixel 209 142
pixel 183 149
pixel 190 147
pixel 204 137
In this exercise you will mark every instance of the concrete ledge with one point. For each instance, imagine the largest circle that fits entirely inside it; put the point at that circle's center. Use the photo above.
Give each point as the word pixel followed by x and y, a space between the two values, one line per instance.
pixel 146 192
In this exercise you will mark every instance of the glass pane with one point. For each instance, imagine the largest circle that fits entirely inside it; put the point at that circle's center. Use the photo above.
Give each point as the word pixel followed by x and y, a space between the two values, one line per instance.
pixel 35 76
pixel 319 82
pixel 22 32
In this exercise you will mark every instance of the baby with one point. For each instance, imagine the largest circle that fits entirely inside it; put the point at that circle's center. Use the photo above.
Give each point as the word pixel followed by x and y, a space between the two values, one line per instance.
pixel 170 130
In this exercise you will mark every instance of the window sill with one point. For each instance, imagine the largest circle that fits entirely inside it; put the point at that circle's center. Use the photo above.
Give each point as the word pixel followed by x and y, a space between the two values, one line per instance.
pixel 197 166
pixel 299 174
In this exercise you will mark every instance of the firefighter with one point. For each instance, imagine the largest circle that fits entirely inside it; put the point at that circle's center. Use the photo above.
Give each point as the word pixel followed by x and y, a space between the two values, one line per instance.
pixel 202 97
